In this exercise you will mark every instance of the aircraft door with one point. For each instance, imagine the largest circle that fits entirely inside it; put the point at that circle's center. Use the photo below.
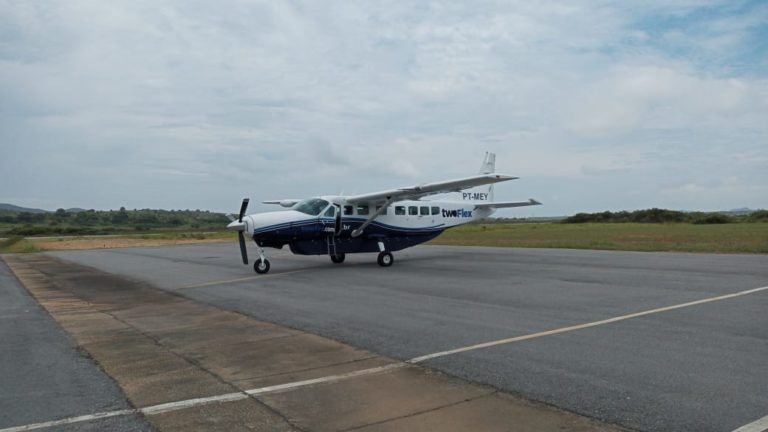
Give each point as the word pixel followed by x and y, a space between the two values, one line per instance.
pixel 337 222
pixel 332 222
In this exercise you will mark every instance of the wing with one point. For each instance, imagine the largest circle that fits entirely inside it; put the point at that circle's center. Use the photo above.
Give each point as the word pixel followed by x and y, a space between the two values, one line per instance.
pixel 420 191
pixel 283 202
pixel 530 202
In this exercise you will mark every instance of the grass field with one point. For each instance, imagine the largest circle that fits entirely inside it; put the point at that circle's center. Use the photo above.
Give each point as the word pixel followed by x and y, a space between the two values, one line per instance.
pixel 18 245
pixel 679 237
pixel 38 244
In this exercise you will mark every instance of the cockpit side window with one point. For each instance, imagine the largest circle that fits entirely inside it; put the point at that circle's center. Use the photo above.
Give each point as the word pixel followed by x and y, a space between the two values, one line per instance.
pixel 331 212
pixel 312 206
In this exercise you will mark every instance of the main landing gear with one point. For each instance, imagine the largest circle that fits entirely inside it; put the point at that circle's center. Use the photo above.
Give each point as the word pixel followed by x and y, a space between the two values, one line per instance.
pixel 385 259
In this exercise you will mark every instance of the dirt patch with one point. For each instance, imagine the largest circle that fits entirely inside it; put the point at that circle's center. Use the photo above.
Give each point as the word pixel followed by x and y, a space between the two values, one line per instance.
pixel 111 243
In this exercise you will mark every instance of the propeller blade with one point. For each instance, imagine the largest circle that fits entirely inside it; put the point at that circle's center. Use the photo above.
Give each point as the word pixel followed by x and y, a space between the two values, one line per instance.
pixel 243 207
pixel 243 250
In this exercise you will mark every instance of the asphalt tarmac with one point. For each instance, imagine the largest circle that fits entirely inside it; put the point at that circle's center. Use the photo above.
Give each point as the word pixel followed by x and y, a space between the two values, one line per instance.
pixel 697 368
pixel 43 375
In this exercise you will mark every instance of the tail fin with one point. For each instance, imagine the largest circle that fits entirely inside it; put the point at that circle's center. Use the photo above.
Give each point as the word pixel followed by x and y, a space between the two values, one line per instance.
pixel 488 167
pixel 489 164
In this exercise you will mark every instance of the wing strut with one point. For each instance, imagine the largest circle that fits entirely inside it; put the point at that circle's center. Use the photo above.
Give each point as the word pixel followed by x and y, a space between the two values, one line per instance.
pixel 382 209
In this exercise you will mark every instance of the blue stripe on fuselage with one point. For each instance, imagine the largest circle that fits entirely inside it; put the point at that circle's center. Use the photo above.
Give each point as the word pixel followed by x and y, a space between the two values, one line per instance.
pixel 325 222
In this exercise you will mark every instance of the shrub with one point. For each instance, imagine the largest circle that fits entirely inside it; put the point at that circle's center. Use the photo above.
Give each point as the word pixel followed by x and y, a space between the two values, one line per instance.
pixel 758 216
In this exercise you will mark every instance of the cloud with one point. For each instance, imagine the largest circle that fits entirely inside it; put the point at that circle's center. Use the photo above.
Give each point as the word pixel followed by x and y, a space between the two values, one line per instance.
pixel 204 103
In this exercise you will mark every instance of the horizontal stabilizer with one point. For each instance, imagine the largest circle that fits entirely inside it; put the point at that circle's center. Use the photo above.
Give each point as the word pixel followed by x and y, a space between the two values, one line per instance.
pixel 495 205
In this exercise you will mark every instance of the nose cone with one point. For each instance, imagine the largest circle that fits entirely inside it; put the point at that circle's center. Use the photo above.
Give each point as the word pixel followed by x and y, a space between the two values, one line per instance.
pixel 236 226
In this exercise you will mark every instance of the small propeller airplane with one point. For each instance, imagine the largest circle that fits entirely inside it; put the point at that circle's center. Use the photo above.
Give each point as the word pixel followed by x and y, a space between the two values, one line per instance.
pixel 382 222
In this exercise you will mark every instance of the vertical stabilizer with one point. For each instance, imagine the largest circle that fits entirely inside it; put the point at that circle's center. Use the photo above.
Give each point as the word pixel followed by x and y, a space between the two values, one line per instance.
pixel 489 167
pixel 489 164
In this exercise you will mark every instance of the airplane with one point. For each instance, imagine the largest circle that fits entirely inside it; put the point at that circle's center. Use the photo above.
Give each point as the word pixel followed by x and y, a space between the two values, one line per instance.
pixel 383 222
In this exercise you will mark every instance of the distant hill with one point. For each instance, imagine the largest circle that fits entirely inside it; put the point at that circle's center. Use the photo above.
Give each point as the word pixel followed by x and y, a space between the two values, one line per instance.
pixel 739 211
pixel 14 208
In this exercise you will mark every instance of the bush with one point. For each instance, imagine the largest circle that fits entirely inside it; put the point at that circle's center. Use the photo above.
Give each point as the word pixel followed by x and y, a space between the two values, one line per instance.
pixel 656 215
pixel 713 218
pixel 758 216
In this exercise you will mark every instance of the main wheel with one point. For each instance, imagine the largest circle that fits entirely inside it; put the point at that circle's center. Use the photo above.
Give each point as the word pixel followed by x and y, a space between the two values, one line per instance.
pixel 338 258
pixel 260 266
pixel 385 259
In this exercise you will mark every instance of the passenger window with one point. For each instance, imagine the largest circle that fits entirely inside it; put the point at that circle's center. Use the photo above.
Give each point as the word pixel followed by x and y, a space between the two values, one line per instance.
pixel 413 211
pixel 362 209
pixel 330 212
pixel 400 210
pixel 347 210
pixel 435 211
pixel 383 212
pixel 424 211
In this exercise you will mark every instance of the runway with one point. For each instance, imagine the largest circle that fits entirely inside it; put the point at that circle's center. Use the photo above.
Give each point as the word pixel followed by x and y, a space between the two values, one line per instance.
pixel 565 321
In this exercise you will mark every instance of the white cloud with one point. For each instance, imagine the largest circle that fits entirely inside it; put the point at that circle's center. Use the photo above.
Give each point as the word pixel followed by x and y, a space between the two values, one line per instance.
pixel 203 103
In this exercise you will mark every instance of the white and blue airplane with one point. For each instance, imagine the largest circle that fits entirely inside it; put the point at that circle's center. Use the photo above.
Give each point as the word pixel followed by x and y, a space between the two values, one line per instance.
pixel 382 222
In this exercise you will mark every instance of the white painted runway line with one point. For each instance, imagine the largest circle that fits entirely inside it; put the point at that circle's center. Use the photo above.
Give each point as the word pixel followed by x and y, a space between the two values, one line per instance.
pixel 69 420
pixel 189 403
pixel 757 426
pixel 582 326
pixel 760 425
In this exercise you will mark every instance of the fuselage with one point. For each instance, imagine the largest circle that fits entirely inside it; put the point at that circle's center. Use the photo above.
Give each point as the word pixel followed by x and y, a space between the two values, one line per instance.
pixel 313 226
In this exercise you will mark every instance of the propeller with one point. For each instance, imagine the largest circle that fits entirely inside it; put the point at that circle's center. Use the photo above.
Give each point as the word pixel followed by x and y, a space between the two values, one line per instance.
pixel 240 228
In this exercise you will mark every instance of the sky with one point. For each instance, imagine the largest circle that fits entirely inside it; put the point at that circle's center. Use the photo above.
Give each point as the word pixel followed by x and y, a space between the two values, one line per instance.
pixel 595 105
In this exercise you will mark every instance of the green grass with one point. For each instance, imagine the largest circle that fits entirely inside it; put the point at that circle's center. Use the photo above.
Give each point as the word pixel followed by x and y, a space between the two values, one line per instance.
pixel 18 245
pixel 680 237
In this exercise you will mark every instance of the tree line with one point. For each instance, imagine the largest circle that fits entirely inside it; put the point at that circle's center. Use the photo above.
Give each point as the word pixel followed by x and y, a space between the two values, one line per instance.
pixel 656 215
pixel 103 222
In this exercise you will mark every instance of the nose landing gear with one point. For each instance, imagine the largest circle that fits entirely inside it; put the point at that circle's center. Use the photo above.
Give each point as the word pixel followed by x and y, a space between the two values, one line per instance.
pixel 261 265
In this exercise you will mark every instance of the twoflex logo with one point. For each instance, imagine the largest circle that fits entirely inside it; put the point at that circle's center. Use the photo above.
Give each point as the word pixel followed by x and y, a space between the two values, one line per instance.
pixel 457 213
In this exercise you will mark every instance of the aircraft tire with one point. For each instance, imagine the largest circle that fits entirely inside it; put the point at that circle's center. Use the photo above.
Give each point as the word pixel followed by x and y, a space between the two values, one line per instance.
pixel 385 259
pixel 261 267
pixel 338 258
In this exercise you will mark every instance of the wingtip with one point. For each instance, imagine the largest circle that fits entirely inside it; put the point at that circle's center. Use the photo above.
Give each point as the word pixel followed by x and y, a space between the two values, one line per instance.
pixel 502 176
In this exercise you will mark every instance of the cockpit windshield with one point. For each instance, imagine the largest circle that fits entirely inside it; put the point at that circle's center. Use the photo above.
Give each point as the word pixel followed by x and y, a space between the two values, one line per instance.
pixel 312 206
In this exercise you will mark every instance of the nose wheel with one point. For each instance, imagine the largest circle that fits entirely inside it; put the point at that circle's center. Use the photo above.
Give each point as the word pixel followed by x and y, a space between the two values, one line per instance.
pixel 261 265
pixel 385 259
